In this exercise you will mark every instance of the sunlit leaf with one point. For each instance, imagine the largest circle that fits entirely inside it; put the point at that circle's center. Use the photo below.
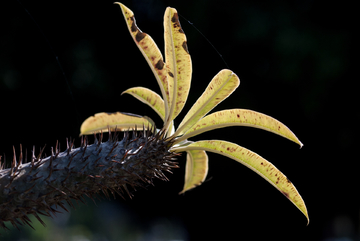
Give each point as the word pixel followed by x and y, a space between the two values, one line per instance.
pixel 240 117
pixel 196 169
pixel 148 97
pixel 253 161
pixel 178 63
pixel 118 120
pixel 220 87
pixel 150 51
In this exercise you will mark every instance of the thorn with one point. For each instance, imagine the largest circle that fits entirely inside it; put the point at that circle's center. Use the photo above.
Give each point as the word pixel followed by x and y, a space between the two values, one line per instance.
pixel 82 142
pixel 25 156
pixel 144 132
pixel 127 191
pixel 41 152
pixel 20 157
pixel 28 190
pixel 56 189
pixel 112 149
pixel 85 158
pixel 110 137
pixel 97 160
pixel 26 220
pixel 13 164
pixel 119 193
pixel 99 151
pixel 36 178
pixel 39 219
pixel 101 137
pixel 71 204
pixel 56 147
pixel 50 167
pixel 62 206
pixel 32 159
pixel 83 151
pixel 84 167
pixel 63 181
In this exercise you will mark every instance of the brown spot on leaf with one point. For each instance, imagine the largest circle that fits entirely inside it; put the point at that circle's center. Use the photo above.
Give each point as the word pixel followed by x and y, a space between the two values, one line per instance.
pixel 286 194
pixel 184 45
pixel 133 28
pixel 175 18
pixel 238 116
pixel 287 179
pixel 171 74
pixel 139 36
pixel 160 64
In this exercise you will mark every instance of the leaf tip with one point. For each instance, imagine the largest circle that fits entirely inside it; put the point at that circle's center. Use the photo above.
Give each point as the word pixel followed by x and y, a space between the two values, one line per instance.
pixel 301 144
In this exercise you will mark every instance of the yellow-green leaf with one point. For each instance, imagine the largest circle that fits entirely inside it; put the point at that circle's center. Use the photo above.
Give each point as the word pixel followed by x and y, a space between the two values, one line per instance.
pixel 196 169
pixel 178 63
pixel 253 161
pixel 118 120
pixel 150 98
pixel 240 117
pixel 150 51
pixel 220 87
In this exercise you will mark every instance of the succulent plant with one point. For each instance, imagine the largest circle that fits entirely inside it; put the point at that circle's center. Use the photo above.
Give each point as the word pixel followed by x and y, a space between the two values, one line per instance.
pixel 174 78
pixel 145 152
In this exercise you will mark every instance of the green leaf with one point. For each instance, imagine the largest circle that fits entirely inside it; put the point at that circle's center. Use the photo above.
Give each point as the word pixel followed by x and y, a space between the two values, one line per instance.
pixel 148 97
pixel 150 51
pixel 196 169
pixel 118 120
pixel 253 161
pixel 240 117
pixel 220 87
pixel 178 63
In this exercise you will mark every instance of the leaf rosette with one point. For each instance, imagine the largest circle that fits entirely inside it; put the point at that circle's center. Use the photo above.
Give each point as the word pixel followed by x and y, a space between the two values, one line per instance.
pixel 174 79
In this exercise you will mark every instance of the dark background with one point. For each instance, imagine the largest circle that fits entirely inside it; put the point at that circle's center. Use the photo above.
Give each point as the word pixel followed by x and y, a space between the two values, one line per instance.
pixel 296 62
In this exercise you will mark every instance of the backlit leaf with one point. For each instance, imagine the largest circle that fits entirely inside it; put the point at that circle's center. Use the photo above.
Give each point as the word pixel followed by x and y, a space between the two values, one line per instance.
pixel 150 51
pixel 121 121
pixel 240 117
pixel 196 169
pixel 253 161
pixel 220 87
pixel 148 97
pixel 178 63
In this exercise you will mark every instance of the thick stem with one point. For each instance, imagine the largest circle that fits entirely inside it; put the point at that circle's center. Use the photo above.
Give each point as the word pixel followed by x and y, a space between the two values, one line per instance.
pixel 33 187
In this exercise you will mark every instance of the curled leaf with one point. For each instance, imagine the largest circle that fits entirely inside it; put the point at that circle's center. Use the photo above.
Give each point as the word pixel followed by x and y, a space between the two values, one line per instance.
pixel 240 117
pixel 148 97
pixel 253 161
pixel 196 169
pixel 150 51
pixel 220 87
pixel 118 120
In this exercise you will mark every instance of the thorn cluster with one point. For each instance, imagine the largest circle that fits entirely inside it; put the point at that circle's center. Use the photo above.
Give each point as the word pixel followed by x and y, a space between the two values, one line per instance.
pixel 35 187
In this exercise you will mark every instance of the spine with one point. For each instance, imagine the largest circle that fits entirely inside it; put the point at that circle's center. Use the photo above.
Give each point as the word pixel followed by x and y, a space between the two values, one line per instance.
pixel 108 167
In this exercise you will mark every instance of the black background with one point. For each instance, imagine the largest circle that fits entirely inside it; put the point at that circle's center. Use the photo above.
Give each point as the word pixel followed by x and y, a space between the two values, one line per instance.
pixel 296 62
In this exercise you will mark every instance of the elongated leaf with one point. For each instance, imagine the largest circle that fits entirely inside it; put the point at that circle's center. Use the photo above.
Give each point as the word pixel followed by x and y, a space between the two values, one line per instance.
pixel 196 169
pixel 120 121
pixel 148 97
pixel 256 163
pixel 178 63
pixel 150 51
pixel 220 87
pixel 240 117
